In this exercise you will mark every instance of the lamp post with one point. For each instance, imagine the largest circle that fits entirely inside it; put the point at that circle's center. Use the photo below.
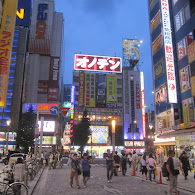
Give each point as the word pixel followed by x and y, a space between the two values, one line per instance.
pixel 113 135
pixel 7 137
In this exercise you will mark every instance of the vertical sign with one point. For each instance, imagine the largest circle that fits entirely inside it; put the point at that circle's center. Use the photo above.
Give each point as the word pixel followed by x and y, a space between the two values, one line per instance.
pixel 137 95
pixel 72 99
pixel 6 41
pixel 143 104
pixel 81 89
pixel 87 90
pixel 92 90
pixel 111 89
pixel 168 46
pixel 126 92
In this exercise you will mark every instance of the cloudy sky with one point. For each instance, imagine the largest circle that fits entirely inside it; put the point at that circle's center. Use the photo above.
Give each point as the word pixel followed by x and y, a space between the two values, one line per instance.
pixel 97 27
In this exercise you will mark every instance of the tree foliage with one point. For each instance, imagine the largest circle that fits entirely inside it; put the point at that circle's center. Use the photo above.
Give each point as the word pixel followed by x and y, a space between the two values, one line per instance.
pixel 25 133
pixel 81 132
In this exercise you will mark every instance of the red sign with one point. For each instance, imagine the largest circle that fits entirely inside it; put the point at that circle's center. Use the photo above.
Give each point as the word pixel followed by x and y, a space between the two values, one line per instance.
pixel 143 113
pixel 64 110
pixel 137 95
pixel 52 94
pixel 81 88
pixel 98 63
pixel 71 128
pixel 54 72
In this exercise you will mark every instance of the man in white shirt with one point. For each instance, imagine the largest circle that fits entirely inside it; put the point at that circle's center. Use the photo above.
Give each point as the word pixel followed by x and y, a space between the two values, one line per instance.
pixel 134 161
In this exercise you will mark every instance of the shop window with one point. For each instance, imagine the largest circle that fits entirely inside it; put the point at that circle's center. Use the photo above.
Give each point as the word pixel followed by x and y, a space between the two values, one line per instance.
pixel 192 7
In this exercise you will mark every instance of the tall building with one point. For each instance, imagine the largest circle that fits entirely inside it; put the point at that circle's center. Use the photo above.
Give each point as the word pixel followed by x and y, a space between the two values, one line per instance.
pixel 98 89
pixel 9 115
pixel 172 27
pixel 42 84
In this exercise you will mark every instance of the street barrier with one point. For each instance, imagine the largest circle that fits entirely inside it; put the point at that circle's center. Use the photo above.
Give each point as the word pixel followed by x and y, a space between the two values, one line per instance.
pixel 160 178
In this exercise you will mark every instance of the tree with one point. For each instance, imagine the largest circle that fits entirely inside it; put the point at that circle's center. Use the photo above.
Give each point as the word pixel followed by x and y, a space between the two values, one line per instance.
pixel 81 132
pixel 25 133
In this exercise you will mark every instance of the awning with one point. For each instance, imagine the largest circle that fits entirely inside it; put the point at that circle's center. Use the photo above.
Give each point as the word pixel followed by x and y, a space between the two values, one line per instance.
pixel 178 132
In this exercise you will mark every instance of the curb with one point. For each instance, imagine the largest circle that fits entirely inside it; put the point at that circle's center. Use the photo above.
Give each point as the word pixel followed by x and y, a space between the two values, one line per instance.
pixel 33 184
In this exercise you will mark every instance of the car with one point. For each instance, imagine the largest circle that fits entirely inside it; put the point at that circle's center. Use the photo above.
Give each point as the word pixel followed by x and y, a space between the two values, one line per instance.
pixel 13 158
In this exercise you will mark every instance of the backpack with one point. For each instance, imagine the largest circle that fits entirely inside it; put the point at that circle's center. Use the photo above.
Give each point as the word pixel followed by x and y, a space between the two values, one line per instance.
pixel 165 173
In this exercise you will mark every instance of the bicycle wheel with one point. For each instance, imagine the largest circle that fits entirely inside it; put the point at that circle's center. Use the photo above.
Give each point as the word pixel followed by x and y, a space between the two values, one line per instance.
pixel 31 174
pixel 17 188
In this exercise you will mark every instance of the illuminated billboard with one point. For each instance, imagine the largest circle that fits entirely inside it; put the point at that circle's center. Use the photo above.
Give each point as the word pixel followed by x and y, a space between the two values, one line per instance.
pixel 111 89
pixel 169 58
pixel 161 94
pixel 6 42
pixel 99 134
pixel 131 49
pixel 48 126
pixel 185 78
pixel 81 89
pixel 97 63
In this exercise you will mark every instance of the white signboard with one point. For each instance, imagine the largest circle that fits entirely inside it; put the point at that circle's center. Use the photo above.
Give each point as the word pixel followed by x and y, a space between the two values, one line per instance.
pixel 169 59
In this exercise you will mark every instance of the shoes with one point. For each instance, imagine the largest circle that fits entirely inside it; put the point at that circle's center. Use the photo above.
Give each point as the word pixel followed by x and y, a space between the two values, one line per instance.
pixel 85 186
pixel 108 181
pixel 78 187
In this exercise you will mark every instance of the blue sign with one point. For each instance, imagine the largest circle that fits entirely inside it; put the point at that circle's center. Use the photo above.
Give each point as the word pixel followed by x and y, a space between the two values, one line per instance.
pixel 36 125
pixel 23 13
pixel 54 110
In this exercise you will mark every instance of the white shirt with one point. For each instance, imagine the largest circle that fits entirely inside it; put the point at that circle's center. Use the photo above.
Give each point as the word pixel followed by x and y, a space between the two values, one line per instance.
pixel 175 162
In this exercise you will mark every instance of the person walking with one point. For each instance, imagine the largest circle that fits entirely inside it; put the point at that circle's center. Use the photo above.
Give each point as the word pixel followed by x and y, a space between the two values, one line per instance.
pixel 144 169
pixel 129 158
pixel 109 165
pixel 51 157
pixel 124 164
pixel 151 166
pixel 75 171
pixel 185 164
pixel 134 161
pixel 172 183
pixel 59 159
pixel 85 166
pixel 19 170
pixel 116 163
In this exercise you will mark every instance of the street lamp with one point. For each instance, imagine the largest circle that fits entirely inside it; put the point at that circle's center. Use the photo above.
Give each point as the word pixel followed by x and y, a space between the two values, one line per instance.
pixel 7 138
pixel 113 135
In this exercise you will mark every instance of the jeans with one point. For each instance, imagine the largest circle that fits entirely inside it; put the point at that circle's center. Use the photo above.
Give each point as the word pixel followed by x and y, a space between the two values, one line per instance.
pixel 150 174
pixel 109 171
pixel 172 184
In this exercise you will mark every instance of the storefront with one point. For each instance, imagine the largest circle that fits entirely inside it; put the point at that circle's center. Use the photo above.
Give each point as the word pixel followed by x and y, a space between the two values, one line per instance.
pixel 138 146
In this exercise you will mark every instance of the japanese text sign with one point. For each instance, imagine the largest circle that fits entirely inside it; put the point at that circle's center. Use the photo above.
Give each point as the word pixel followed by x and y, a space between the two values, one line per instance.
pixel 169 59
pixel 191 52
pixel 6 41
pixel 98 63
pixel 81 88
pixel 112 88
pixel 138 101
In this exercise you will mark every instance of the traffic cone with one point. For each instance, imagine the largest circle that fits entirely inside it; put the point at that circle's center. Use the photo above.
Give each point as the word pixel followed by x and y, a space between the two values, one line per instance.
pixel 134 174
pixel 119 170
pixel 160 178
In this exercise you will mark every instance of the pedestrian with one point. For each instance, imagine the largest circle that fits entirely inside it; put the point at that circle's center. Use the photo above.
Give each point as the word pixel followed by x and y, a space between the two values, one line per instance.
pixel 172 183
pixel 85 169
pixel 144 169
pixel 51 158
pixel 151 166
pixel 109 165
pixel 129 158
pixel 59 159
pixel 185 164
pixel 19 170
pixel 75 171
pixel 55 160
pixel 134 161
pixel 116 163
pixel 124 164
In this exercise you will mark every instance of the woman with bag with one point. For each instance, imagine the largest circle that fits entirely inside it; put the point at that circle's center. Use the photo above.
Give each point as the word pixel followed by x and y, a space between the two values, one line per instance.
pixel 75 171
pixel 151 166
pixel 144 169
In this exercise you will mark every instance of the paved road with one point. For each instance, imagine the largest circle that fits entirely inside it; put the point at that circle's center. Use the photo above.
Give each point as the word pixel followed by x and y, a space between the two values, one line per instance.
pixel 57 182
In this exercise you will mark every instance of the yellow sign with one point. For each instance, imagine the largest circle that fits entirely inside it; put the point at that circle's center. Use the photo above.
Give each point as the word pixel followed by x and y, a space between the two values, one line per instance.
pixel 186 111
pixel 20 14
pixel 111 89
pixel 6 41
pixel 192 80
pixel 49 140
pixel 191 52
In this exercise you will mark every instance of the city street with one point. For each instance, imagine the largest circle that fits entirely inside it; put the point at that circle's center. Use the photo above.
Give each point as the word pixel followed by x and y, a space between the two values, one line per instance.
pixel 57 182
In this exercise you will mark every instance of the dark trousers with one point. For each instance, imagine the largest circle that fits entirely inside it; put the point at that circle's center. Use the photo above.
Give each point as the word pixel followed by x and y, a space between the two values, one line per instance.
pixel 185 170
pixel 109 171
pixel 124 170
pixel 150 174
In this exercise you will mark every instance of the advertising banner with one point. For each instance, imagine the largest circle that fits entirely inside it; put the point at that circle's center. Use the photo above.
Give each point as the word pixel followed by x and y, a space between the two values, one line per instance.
pixel 131 49
pixel 158 69
pixel 72 100
pixel 101 91
pixel 188 110
pixel 99 134
pixel 52 94
pixel 157 44
pixel 169 58
pixel 138 101
pixel 111 88
pixel 48 126
pixel 49 140
pixel 6 41
pixel 184 79
pixel 191 52
pixel 155 21
pixel 192 80
pixel 161 94
pixel 136 143
pixel 185 140
pixel 181 49
pixel 126 92
pixel 41 27
pixel 89 90
pixel 23 13
pixel 66 137
pixel 98 63
pixel 81 88
pixel 43 87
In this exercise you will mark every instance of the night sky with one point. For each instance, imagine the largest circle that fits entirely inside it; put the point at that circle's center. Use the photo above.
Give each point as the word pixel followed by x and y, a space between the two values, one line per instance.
pixel 97 27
